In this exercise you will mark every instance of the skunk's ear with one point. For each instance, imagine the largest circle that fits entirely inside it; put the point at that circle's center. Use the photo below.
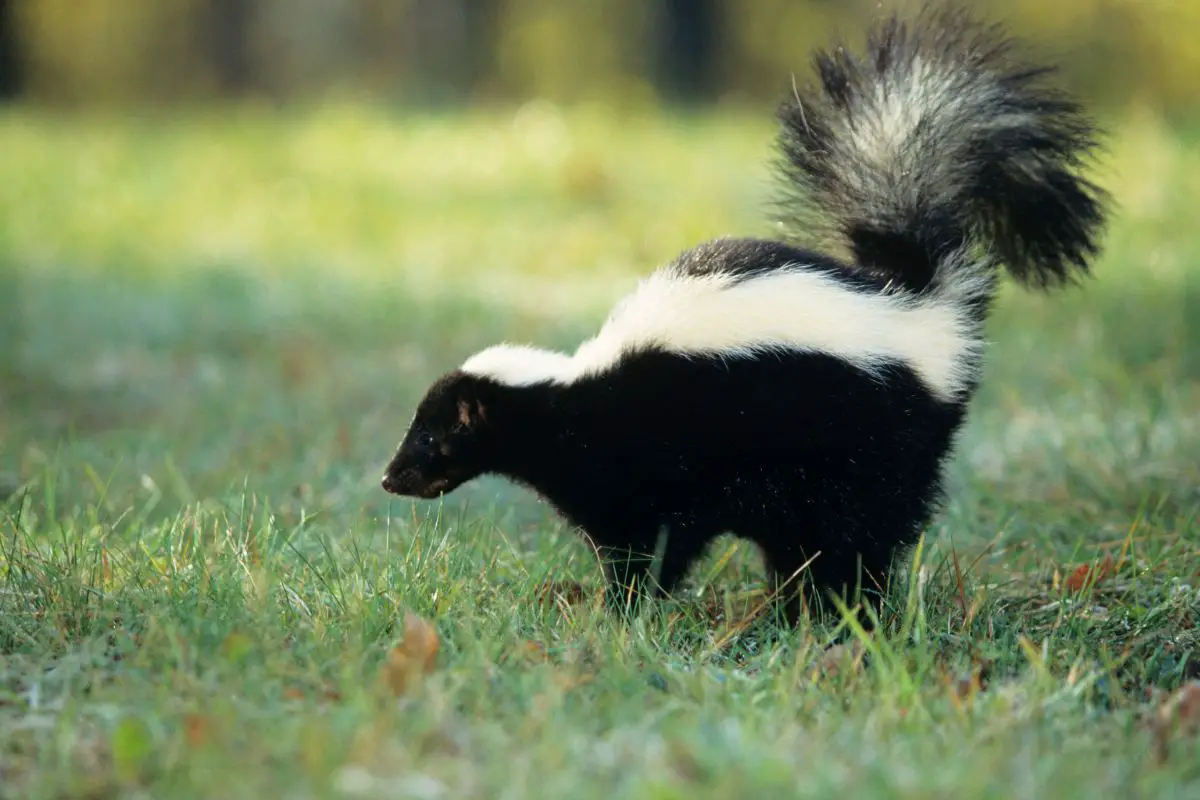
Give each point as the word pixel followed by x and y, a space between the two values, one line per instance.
pixel 471 413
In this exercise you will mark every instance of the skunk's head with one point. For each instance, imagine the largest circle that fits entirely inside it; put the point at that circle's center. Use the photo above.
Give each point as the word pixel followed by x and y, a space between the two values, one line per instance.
pixel 447 442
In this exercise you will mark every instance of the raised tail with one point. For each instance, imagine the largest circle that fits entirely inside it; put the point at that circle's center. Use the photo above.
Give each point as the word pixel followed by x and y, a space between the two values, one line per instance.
pixel 935 142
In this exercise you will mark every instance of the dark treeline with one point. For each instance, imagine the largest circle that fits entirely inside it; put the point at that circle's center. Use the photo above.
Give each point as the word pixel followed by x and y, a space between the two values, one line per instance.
pixel 462 50
pixel 12 63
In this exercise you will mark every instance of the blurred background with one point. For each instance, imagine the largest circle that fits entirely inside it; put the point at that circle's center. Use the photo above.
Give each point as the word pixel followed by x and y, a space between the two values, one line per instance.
pixel 238 236
pixel 627 52
pixel 238 240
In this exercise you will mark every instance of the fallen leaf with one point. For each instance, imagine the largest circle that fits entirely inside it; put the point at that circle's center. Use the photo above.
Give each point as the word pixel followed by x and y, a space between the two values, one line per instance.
pixel 1090 575
pixel 1178 717
pixel 532 650
pixel 568 592
pixel 965 688
pixel 413 657
pixel 842 657
pixel 196 727
pixel 527 651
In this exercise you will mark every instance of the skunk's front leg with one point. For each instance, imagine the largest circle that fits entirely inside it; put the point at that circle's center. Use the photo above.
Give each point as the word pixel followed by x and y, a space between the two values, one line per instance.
pixel 797 579
pixel 627 573
pixel 632 572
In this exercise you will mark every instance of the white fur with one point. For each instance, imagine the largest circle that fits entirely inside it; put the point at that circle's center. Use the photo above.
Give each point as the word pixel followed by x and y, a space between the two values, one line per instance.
pixel 792 309
pixel 879 134
pixel 520 365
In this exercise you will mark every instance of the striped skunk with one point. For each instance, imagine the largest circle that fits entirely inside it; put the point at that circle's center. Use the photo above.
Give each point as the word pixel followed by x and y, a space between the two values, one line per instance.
pixel 802 400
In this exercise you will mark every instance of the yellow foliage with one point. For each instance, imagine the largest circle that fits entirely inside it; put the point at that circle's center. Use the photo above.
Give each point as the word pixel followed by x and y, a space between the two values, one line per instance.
pixel 104 51
pixel 560 50
pixel 108 50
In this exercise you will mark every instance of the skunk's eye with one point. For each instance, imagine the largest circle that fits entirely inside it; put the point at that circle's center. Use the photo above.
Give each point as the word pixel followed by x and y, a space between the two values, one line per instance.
pixel 425 440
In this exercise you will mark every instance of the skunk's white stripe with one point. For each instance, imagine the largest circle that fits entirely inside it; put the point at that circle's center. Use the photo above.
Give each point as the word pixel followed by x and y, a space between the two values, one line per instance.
pixel 520 365
pixel 793 309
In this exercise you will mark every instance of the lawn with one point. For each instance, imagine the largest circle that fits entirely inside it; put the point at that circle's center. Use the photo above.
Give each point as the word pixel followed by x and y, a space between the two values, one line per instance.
pixel 215 328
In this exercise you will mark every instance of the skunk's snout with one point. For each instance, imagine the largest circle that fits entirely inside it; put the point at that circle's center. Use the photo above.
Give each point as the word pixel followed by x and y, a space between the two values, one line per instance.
pixel 394 484
pixel 406 484
pixel 401 477
pixel 410 482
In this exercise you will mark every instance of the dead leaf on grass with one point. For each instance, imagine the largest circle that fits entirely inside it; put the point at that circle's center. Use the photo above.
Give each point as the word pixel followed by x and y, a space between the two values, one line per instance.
pixel 843 658
pixel 532 650
pixel 1177 718
pixel 196 729
pixel 965 688
pixel 526 651
pixel 562 592
pixel 413 657
pixel 1090 574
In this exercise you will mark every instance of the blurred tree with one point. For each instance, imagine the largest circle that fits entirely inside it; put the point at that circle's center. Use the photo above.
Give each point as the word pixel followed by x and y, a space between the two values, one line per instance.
pixel 12 66
pixel 306 48
pixel 226 31
pixel 687 42
pixel 576 50
pixel 620 51
pixel 450 45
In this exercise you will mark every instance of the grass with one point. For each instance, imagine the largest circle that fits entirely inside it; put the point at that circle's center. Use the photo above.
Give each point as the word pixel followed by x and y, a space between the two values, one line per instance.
pixel 215 329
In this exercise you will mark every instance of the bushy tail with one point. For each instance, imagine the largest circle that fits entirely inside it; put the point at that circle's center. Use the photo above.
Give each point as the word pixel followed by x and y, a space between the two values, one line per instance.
pixel 933 141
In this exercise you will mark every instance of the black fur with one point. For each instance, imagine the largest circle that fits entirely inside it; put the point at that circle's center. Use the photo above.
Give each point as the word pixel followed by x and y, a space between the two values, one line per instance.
pixel 747 259
pixel 803 453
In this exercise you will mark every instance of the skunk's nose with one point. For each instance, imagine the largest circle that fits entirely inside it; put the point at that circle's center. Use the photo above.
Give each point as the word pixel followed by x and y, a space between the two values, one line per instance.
pixel 402 482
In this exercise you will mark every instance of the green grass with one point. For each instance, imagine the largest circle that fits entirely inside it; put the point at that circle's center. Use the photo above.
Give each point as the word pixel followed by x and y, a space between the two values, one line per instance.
pixel 214 331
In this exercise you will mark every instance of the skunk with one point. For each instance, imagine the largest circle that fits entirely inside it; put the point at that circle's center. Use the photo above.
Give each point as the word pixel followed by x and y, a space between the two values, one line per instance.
pixel 803 400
